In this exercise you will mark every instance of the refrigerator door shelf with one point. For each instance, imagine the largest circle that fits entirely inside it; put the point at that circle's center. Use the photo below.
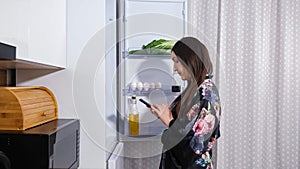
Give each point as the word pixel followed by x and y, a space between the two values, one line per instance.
pixel 167 92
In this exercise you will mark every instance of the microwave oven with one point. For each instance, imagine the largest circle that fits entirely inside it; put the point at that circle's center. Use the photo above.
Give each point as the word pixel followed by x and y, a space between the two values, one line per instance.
pixel 51 145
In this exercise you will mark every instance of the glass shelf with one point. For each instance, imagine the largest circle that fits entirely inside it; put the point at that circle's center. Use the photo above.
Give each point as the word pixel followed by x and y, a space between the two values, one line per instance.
pixel 160 1
pixel 145 56
pixel 168 92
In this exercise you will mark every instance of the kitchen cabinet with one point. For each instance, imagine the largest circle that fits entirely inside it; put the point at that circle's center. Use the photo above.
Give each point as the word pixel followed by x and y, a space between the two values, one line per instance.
pixel 37 29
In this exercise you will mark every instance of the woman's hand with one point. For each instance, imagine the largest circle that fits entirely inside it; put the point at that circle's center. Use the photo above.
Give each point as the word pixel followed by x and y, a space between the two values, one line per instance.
pixel 162 112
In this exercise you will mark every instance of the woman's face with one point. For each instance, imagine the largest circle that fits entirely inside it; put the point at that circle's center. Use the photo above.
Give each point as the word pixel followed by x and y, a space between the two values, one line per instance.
pixel 178 67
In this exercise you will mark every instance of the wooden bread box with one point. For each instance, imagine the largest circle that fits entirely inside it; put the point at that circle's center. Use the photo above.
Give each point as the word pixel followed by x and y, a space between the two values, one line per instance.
pixel 25 107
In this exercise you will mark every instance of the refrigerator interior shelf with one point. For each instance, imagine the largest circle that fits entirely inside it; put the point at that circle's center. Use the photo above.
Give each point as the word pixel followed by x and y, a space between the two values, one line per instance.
pixel 159 1
pixel 154 137
pixel 145 56
pixel 168 92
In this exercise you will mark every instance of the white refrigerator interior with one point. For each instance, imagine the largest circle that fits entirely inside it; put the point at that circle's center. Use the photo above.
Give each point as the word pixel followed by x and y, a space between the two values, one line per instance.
pixel 148 76
pixel 152 74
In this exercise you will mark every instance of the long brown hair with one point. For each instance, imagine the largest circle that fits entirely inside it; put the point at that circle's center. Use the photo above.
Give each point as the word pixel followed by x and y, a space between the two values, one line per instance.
pixel 194 56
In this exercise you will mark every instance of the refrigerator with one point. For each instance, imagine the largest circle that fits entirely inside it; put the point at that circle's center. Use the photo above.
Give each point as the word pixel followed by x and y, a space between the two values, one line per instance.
pixel 133 70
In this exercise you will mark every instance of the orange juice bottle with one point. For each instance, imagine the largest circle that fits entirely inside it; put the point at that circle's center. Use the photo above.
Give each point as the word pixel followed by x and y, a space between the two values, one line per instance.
pixel 133 117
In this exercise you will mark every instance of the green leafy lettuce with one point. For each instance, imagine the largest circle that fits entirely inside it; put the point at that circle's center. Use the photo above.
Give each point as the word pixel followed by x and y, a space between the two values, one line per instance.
pixel 155 47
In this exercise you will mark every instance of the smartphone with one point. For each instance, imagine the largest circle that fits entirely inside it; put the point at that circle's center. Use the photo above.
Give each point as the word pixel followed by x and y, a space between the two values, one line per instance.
pixel 146 103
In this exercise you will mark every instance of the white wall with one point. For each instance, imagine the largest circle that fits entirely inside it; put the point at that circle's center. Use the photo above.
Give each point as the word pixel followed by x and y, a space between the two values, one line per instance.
pixel 74 86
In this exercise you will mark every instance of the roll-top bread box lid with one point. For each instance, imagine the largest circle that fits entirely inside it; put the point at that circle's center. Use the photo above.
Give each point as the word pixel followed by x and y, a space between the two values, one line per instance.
pixel 25 107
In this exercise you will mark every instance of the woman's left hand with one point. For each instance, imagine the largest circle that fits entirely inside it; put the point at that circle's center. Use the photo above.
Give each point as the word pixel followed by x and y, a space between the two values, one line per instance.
pixel 162 112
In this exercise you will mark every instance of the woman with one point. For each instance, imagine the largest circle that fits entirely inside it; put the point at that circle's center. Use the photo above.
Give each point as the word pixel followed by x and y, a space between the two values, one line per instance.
pixel 193 117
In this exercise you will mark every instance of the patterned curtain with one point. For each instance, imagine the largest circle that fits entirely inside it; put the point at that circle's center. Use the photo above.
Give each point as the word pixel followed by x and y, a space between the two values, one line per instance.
pixel 259 81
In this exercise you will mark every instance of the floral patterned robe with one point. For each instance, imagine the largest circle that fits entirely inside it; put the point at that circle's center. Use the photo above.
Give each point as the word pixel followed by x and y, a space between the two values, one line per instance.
pixel 188 141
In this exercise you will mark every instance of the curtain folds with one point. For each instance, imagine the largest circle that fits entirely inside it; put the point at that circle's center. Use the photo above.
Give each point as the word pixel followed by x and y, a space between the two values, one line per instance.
pixel 258 74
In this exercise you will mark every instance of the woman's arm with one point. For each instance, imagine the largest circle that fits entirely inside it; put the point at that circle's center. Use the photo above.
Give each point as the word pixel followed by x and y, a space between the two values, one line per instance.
pixel 172 135
pixel 162 112
pixel 182 128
